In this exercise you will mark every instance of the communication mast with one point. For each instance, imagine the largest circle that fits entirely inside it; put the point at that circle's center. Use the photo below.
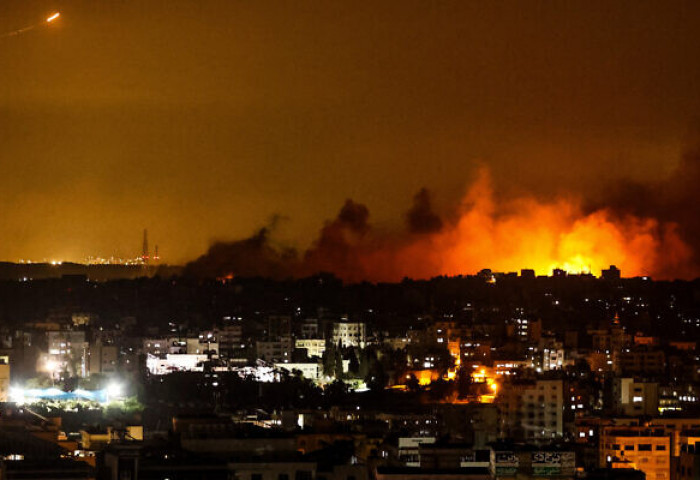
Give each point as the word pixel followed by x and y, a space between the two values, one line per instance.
pixel 144 255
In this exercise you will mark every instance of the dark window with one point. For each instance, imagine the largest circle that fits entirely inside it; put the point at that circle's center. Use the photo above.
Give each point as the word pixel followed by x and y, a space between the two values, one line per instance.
pixel 660 447
pixel 303 475
pixel 644 447
pixel 629 447
pixel 283 476
pixel 256 476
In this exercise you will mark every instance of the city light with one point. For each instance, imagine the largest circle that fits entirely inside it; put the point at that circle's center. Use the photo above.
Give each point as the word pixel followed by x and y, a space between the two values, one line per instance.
pixel 51 366
pixel 17 395
pixel 114 390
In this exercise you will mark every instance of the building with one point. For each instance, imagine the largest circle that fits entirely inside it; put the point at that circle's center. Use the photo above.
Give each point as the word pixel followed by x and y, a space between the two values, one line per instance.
pixel 409 449
pixel 635 398
pixel 517 461
pixel 641 361
pixel 308 328
pixel 103 358
pixel 612 273
pixel 688 465
pixel 612 339
pixel 446 455
pixel 402 473
pixel 276 350
pixel 349 334
pixel 158 365
pixel 552 358
pixel 518 325
pixel 508 367
pixel 532 410
pixel 163 346
pixel 311 370
pixel 279 326
pixel 643 448
pixel 67 353
pixel 204 344
pixel 314 346
pixel 4 378
pixel 269 469
pixel 230 336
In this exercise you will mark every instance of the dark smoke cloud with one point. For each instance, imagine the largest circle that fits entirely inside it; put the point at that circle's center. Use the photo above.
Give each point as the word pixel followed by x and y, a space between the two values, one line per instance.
pixel 250 257
pixel 421 218
pixel 336 249
pixel 342 247
pixel 671 201
pixel 649 229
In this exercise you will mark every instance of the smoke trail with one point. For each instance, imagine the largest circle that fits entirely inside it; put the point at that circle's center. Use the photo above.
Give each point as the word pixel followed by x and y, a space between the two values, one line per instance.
pixel 49 19
pixel 20 31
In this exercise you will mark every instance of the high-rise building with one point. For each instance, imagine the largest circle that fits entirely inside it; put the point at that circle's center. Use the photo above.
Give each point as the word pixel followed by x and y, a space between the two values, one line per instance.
pixel 532 410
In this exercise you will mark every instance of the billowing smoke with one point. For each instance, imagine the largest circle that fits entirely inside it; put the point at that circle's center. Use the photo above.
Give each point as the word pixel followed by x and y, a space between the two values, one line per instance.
pixel 643 229
pixel 673 202
pixel 251 257
pixel 421 218
pixel 339 244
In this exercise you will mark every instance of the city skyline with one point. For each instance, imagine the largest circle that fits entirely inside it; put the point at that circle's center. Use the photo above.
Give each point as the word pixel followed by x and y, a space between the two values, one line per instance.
pixel 382 240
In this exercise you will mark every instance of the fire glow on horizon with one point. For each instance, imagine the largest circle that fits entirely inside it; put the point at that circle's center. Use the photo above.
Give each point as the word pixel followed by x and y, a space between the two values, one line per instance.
pixel 484 232
pixel 526 233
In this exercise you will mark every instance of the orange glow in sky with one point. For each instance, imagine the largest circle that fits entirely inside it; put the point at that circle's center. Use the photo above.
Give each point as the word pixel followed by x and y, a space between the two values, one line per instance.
pixel 524 232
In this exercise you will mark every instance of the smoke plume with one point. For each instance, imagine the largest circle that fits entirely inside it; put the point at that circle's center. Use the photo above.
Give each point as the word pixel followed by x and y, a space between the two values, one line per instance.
pixel 421 218
pixel 674 203
pixel 644 229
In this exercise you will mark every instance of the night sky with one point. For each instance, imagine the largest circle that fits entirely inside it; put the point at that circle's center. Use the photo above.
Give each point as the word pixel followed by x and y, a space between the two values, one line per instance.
pixel 202 120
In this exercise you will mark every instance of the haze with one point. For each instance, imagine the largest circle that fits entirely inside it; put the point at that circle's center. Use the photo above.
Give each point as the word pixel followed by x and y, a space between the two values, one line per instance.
pixel 200 120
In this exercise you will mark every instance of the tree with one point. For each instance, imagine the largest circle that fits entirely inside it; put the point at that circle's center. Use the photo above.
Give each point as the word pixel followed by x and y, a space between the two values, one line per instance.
pixel 335 392
pixel 328 359
pixel 354 365
pixel 338 364
pixel 377 378
pixel 364 359
pixel 412 384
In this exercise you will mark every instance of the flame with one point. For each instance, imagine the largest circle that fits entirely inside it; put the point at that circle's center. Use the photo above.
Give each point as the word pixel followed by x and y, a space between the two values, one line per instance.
pixel 484 232
pixel 529 233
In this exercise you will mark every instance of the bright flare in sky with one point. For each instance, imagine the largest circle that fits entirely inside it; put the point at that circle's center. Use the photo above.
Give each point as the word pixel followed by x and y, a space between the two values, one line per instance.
pixel 53 17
